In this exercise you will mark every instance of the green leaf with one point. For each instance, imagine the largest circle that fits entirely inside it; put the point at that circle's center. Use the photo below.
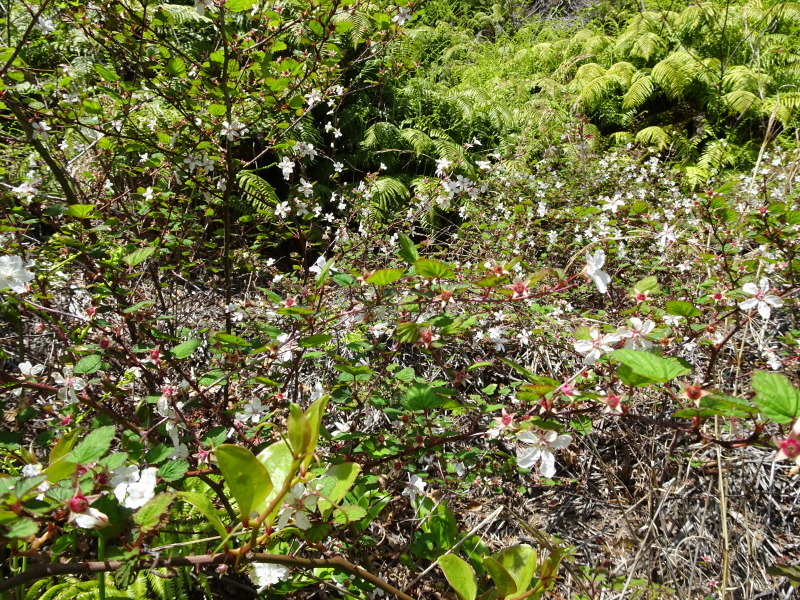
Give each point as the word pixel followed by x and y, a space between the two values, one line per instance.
pixel 791 572
pixel 217 110
pixel 679 308
pixel 529 375
pixel 315 340
pixel 407 332
pixel 176 67
pixel 138 256
pixel 502 579
pixel 245 476
pixel 336 481
pixel 349 514
pixel 460 575
pixel 65 445
pixel 385 276
pixel 776 398
pixel 239 5
pixel 105 72
pixel 724 406
pixel 186 348
pixel 299 430
pixel 173 470
pixel 314 417
pixel 203 503
pixel 657 368
pixel 323 272
pixel 420 396
pixel 648 284
pixel 520 562
pixel 88 364
pixel 21 529
pixel 149 515
pixel 80 211
pixel 406 374
pixel 277 459
pixel 434 269
pixel 93 447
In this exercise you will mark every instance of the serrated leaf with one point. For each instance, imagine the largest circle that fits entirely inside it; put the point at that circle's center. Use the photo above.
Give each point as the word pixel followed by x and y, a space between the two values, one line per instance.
pixel 173 470
pixel 217 110
pixel 680 308
pixel 460 575
pixel 385 276
pixel 341 478
pixel 149 515
pixel 433 269
pixel 93 447
pixel 648 284
pixel 776 398
pixel 105 72
pixel 657 368
pixel 420 396
pixel 239 5
pixel 176 67
pixel 21 529
pixel 88 364
pixel 406 374
pixel 138 256
pixel 206 507
pixel 186 348
pixel 349 514
pixel 245 476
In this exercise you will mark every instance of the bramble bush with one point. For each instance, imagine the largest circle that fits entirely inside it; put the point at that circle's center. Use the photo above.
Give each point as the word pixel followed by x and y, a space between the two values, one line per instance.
pixel 220 356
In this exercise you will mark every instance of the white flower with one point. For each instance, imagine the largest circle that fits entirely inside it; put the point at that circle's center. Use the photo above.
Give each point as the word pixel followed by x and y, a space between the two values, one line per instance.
pixel 252 411
pixel 760 299
pixel 201 5
pixel 28 370
pixel 666 236
pixel 593 270
pixel 132 487
pixel 25 189
pixel 496 335
pixel 636 332
pixel 233 130
pixel 40 129
pixel 403 15
pixel 46 26
pixel 297 504
pixel 265 575
pixel 416 485
pixel 541 450
pixel 14 273
pixel 32 470
pixel 69 385
pixel 305 149
pixel 287 167
pixel 337 166
pixel 596 346
pixel 313 98
pixel 282 210
pixel 442 165
pixel 306 188
pixel 91 518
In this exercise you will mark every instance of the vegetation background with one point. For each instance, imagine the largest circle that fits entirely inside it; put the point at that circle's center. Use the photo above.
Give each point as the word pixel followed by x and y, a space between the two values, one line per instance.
pixel 359 298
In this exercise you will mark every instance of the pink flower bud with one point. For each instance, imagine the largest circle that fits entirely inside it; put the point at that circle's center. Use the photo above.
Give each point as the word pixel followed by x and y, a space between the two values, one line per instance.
pixel 78 503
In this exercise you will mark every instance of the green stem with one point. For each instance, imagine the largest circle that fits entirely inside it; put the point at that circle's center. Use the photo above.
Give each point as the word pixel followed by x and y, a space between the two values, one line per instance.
pixel 101 577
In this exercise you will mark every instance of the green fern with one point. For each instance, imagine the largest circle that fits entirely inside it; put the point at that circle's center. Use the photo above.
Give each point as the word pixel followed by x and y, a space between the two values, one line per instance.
pixel 259 195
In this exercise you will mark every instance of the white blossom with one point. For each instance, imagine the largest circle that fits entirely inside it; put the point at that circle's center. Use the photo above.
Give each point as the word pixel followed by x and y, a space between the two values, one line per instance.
pixel 14 273
pixel 596 345
pixel 69 385
pixel 541 450
pixel 134 488
pixel 760 300
pixel 265 575
pixel 593 270
pixel 416 485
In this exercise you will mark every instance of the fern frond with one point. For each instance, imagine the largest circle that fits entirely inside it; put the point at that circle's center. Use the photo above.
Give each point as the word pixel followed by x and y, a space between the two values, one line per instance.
pixel 740 101
pixel 180 14
pixel 620 138
pixel 675 73
pixel 653 136
pixel 389 195
pixel 261 196
pixel 640 91
pixel 648 46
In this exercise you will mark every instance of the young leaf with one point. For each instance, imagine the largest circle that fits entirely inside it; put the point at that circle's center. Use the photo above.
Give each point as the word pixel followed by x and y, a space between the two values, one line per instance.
pixel 277 459
pixel 680 308
pixel 776 398
pixel 314 416
pixel 420 396
pixel 349 514
pixel 93 447
pixel 460 575
pixel 323 272
pixel 299 430
pixel 138 256
pixel 246 477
